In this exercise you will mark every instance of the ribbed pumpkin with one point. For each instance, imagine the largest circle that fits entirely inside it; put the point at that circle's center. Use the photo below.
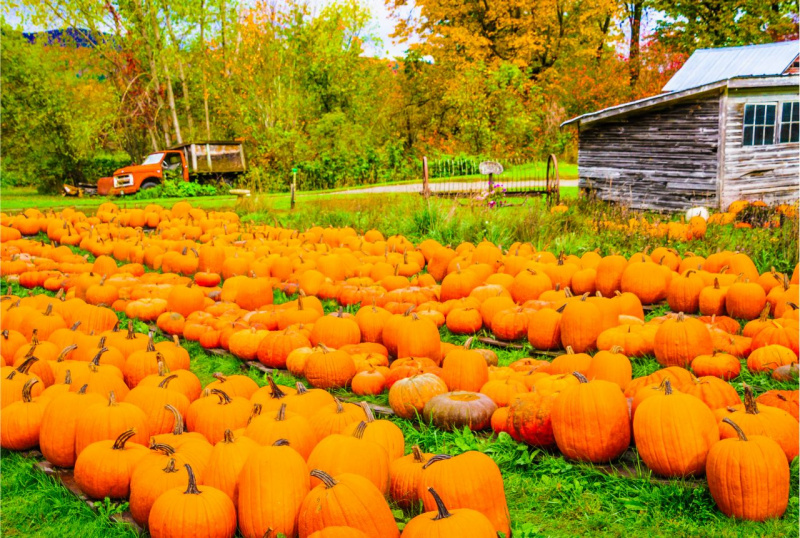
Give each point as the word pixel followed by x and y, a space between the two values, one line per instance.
pixel 419 337
pixel 782 399
pixel 464 369
pixel 530 418
pixel 148 482
pixel 267 428
pixel 104 468
pixel 441 522
pixel 226 462
pixel 346 500
pixel 59 424
pixel 470 480
pixel 213 414
pixel 590 421
pixel 335 331
pixel 745 300
pixel 275 347
pixel 329 368
pixel 674 433
pixel 611 365
pixel 722 365
pixel 747 476
pixel 581 324
pixel 383 432
pixel 192 512
pixel 712 391
pixel 404 477
pixel 335 417
pixel 767 358
pixel 544 328
pixel 503 391
pixel 770 422
pixel 106 420
pixel 152 400
pixel 569 362
pixel 683 294
pixel 233 385
pixel 20 422
pixel 679 340
pixel 272 486
pixel 371 321
pixel 459 409
pixel 340 453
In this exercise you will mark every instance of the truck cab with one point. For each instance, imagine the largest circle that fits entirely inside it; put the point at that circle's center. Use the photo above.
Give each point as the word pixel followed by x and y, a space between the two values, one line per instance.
pixel 169 164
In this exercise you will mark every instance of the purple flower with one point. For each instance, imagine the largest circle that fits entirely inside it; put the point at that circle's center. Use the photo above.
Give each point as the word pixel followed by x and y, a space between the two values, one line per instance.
pixel 492 203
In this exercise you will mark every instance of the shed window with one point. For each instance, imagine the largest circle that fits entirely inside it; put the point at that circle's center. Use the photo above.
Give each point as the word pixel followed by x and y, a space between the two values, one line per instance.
pixel 759 124
pixel 790 122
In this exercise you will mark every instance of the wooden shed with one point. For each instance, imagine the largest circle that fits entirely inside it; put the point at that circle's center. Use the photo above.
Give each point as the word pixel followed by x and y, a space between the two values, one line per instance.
pixel 726 127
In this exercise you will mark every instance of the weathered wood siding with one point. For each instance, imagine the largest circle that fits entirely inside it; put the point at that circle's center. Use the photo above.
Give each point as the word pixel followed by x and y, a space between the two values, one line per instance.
pixel 770 173
pixel 658 159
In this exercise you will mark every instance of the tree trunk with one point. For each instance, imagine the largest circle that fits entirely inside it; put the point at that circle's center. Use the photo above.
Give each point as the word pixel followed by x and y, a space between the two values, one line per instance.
pixel 203 67
pixel 635 17
pixel 171 98
pixel 184 86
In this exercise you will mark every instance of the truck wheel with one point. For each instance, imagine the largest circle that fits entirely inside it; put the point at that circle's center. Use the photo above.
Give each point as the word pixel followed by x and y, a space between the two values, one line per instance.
pixel 149 185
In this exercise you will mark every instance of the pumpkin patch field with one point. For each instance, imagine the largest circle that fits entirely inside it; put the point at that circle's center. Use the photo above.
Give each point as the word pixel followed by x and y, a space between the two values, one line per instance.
pixel 207 373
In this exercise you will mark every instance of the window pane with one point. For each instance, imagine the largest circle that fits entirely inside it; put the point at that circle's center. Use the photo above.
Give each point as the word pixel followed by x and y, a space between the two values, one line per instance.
pixel 769 134
pixel 760 114
pixel 786 112
pixel 758 137
pixel 785 132
pixel 794 135
pixel 795 111
pixel 749 114
pixel 770 120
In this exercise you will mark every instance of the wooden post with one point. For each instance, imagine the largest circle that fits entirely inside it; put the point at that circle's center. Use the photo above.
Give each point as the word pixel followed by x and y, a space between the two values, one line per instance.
pixel 426 188
pixel 491 182
pixel 294 186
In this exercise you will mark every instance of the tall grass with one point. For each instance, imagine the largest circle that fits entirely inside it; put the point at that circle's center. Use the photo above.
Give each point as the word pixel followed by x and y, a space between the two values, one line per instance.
pixel 584 227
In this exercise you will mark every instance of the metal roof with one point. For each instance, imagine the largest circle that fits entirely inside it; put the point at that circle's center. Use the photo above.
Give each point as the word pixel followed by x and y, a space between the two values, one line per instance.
pixel 711 65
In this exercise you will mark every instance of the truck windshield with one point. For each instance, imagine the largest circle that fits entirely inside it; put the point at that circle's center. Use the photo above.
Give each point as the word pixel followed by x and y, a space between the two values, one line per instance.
pixel 153 158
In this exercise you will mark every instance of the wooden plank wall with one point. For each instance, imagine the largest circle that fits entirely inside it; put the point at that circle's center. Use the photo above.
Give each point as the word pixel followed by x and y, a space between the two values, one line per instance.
pixel 663 159
pixel 770 173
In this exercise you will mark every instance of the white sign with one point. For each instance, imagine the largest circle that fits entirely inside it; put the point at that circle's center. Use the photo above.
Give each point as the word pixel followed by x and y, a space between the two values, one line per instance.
pixel 490 167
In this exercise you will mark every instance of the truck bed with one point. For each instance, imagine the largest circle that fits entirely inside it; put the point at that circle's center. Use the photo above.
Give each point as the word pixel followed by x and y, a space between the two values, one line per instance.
pixel 217 157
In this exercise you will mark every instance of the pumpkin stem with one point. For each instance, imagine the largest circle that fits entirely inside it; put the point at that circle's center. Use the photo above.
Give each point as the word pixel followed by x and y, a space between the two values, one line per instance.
pixel 131 335
pixel 360 429
pixel 26 389
pixel 339 406
pixel 739 431
pixel 281 413
pixel 324 477
pixel 442 509
pixel 570 351
pixel 268 534
pixel 274 389
pixel 150 344
pixel 66 351
pixel 166 381
pixel 367 411
pixel 617 349
pixel 119 443
pixel 418 457
pixel 192 489
pixel 170 468
pixel 580 377
pixel 164 448
pixel 83 389
pixel 96 359
pixel 561 308
pixel 224 399
pixel 667 387
pixel 281 442
pixel 26 365
pixel 68 378
pixel 750 405
pixel 219 376
pixel 301 389
pixel 468 342
pixel 255 412
pixel 227 436
pixel 437 457
pixel 75 326
pixel 178 429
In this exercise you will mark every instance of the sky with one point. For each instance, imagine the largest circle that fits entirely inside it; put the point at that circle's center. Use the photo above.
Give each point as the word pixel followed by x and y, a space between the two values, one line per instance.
pixel 382 26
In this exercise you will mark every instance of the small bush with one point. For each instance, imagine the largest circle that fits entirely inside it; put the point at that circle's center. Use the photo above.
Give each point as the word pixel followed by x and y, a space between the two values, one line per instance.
pixel 177 189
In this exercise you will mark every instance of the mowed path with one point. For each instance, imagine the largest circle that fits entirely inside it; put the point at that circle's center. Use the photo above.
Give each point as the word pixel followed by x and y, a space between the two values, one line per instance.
pixel 450 186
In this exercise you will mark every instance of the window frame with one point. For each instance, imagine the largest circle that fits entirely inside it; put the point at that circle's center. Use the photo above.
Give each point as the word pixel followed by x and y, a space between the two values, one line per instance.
pixel 775 123
pixel 779 121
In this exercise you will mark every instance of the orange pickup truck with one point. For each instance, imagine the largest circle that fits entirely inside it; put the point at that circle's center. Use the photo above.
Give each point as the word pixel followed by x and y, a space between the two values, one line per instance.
pixel 200 161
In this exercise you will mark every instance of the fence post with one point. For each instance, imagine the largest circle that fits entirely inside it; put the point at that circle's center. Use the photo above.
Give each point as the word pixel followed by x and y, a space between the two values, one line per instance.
pixel 551 190
pixel 294 186
pixel 426 188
